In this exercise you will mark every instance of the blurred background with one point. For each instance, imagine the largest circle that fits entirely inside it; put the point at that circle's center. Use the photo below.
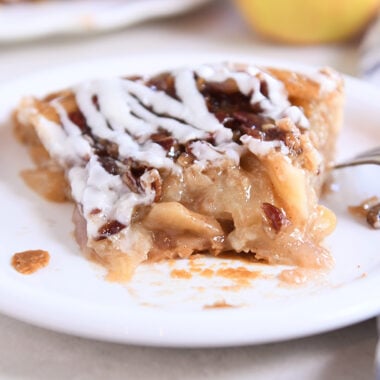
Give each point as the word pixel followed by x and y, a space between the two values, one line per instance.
pixel 39 34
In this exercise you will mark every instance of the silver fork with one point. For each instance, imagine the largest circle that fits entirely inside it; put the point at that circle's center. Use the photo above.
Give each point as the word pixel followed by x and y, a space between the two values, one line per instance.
pixel 371 156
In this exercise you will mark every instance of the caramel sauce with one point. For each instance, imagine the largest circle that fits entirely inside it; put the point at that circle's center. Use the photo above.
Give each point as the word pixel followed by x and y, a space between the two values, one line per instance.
pixel 231 288
pixel 218 305
pixel 180 273
pixel 29 262
pixel 208 273
pixel 298 276
pixel 241 276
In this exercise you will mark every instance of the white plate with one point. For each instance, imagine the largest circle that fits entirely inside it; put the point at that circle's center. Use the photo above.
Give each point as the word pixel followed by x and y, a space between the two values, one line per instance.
pixel 71 296
pixel 26 21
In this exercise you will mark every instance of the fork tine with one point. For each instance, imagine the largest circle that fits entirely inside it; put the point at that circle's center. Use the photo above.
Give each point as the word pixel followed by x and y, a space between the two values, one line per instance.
pixel 369 157
pixel 361 161
pixel 370 153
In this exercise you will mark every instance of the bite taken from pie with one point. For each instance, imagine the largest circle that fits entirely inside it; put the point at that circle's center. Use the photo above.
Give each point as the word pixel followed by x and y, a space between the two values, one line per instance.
pixel 213 158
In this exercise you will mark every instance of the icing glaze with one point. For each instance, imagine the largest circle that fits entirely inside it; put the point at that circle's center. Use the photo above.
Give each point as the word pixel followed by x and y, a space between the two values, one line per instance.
pixel 128 112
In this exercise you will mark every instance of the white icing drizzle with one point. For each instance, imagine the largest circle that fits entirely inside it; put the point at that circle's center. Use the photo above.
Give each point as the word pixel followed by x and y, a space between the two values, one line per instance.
pixel 74 138
pixel 326 78
pixel 263 148
pixel 57 142
pixel 206 153
pixel 128 112
pixel 296 115
pixel 149 153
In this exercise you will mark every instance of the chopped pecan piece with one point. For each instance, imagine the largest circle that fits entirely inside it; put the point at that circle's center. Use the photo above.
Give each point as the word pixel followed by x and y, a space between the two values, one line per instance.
pixel 110 228
pixel 275 216
pixel 373 216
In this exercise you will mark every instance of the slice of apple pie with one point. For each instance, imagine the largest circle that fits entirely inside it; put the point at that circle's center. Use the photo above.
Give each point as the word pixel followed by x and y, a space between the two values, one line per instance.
pixel 215 158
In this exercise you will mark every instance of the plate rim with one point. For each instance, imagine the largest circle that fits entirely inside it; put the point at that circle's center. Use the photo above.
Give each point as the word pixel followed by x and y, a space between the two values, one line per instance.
pixel 100 22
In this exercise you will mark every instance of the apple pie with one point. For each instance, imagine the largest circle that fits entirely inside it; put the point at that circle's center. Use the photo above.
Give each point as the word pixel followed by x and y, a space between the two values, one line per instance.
pixel 207 159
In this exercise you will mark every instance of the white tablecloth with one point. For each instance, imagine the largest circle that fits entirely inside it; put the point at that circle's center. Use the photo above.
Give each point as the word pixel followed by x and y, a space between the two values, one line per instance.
pixel 28 352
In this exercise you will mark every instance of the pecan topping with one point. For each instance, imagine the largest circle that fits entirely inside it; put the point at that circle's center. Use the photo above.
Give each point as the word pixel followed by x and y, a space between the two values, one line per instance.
pixel 105 147
pixel 163 82
pixel 170 144
pixel 373 216
pixel 110 228
pixel 78 119
pixel 110 165
pixel 275 216
pixel 156 184
pixel 131 175
pixel 131 181
pixel 235 111
pixel 185 160
pixel 95 102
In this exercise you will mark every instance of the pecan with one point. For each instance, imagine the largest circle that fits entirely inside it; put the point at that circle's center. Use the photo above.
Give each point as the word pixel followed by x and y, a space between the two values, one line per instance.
pixel 112 148
pixel 153 179
pixel 275 216
pixel 131 181
pixel 373 216
pixel 104 147
pixel 110 228
pixel 110 165
pixel 163 82
pixel 249 119
pixel 131 178
pixel 169 143
pixel 293 142
pixel 228 86
pixel 95 102
pixel 185 160
pixel 264 89
pixel 137 168
pixel 79 120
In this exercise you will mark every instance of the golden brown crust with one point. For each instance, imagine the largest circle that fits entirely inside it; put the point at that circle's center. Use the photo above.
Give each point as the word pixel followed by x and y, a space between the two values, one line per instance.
pixel 324 107
pixel 47 179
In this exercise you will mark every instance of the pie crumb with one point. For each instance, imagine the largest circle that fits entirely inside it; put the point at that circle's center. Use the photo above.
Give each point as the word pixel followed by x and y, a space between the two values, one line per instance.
pixel 28 262
pixel 180 273
pixel 218 305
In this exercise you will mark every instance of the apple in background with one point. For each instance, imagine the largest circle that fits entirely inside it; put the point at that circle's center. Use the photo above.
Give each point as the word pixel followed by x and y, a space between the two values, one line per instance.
pixel 309 21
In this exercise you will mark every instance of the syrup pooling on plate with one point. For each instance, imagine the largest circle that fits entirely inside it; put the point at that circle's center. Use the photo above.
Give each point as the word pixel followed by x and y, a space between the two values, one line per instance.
pixel 150 123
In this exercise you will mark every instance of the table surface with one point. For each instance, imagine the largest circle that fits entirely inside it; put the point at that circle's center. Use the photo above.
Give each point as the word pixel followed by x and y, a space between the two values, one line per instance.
pixel 28 352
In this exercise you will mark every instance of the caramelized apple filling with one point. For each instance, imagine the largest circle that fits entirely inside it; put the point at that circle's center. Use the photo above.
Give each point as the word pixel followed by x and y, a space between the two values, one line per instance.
pixel 213 159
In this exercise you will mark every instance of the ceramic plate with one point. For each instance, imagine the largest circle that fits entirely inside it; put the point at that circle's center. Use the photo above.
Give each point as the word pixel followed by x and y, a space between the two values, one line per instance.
pixel 26 21
pixel 157 307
